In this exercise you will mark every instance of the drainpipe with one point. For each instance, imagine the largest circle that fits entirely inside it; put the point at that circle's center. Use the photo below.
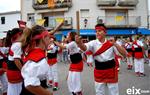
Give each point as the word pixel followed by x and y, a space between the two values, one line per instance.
pixel 147 7
pixel 148 18
pixel 21 9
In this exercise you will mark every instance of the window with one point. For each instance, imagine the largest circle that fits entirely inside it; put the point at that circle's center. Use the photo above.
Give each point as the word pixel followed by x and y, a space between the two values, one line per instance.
pixel 84 12
pixel 30 17
pixel 46 22
pixel 2 20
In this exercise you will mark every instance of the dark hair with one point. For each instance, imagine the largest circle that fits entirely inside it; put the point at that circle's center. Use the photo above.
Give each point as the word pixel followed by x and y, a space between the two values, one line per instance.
pixel 14 32
pixel 72 36
pixel 100 25
pixel 10 36
pixel 8 39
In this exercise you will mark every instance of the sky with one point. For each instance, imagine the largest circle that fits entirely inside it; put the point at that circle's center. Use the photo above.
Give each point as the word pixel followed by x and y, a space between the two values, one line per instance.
pixel 9 5
pixel 13 5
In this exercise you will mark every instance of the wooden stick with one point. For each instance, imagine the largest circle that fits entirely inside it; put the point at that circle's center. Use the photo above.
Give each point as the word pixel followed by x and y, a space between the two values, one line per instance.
pixel 78 22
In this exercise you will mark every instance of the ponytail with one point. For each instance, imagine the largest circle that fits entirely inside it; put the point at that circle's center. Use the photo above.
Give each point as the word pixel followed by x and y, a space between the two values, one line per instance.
pixel 8 42
pixel 26 37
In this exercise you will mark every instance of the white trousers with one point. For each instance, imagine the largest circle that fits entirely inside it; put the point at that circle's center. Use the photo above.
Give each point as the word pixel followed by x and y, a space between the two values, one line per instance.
pixel 14 88
pixel 53 73
pixel 74 81
pixel 129 61
pixel 4 82
pixel 139 65
pixel 101 88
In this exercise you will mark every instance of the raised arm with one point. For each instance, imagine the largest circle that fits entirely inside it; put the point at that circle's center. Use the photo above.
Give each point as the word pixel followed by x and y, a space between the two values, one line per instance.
pixel 121 50
pixel 59 45
pixel 80 44
pixel 56 28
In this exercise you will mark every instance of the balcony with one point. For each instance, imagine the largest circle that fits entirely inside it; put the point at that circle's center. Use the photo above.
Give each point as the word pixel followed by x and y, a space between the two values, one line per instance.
pixel 106 2
pixel 128 2
pixel 53 22
pixel 57 4
pixel 120 21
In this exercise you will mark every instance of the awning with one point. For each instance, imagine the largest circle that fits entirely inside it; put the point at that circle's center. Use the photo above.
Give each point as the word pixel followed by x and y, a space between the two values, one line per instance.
pixel 58 37
pixel 83 32
pixel 92 32
pixel 143 31
pixel 121 31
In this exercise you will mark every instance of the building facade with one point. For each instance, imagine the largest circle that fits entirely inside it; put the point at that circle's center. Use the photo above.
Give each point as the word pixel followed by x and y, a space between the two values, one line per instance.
pixel 122 17
pixel 8 20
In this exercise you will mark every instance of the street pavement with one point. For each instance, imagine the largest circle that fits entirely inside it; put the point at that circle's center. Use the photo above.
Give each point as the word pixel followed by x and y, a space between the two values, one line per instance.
pixel 127 80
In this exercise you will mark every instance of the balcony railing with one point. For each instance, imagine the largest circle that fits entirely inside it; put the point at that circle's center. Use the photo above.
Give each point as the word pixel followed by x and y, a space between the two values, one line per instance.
pixel 57 4
pixel 120 21
pixel 53 22
pixel 106 2
pixel 128 2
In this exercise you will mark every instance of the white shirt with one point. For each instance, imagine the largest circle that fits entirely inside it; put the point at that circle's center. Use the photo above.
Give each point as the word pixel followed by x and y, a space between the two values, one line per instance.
pixel 128 45
pixel 140 43
pixel 105 56
pixel 72 48
pixel 52 48
pixel 119 42
pixel 33 72
pixel 16 49
pixel 4 50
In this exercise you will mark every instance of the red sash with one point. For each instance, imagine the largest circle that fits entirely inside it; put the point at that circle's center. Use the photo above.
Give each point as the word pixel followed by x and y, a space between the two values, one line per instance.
pixel 130 53
pixel 138 54
pixel 52 61
pixel 108 75
pixel 14 76
pixel 88 52
pixel 105 46
pixel 77 67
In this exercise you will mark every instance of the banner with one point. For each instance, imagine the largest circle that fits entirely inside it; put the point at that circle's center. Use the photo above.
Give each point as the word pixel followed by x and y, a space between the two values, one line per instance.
pixel 40 21
pixel 119 18
pixel 40 1
pixel 51 3
pixel 59 20
pixel 62 1
pixel 22 24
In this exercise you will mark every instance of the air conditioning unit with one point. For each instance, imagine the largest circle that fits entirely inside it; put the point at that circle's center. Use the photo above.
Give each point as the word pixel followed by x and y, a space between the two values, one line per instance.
pixel 68 21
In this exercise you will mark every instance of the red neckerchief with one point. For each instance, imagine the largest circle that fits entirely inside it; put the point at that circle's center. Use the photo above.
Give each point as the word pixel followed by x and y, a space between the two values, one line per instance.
pixel 105 46
pixel 35 55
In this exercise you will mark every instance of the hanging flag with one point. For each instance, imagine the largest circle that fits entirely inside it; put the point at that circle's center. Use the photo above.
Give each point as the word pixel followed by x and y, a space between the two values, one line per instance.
pixel 59 20
pixel 62 1
pixel 51 3
pixel 40 1
pixel 22 24
pixel 119 18
pixel 40 21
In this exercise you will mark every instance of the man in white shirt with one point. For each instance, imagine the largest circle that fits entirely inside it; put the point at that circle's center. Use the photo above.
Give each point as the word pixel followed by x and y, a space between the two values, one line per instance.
pixel 105 72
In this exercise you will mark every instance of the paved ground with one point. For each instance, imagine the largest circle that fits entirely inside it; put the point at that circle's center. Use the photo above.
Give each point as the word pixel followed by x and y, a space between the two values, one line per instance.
pixel 127 79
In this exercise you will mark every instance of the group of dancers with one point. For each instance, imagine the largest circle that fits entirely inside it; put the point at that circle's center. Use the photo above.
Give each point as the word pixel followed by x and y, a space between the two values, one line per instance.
pixel 28 62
